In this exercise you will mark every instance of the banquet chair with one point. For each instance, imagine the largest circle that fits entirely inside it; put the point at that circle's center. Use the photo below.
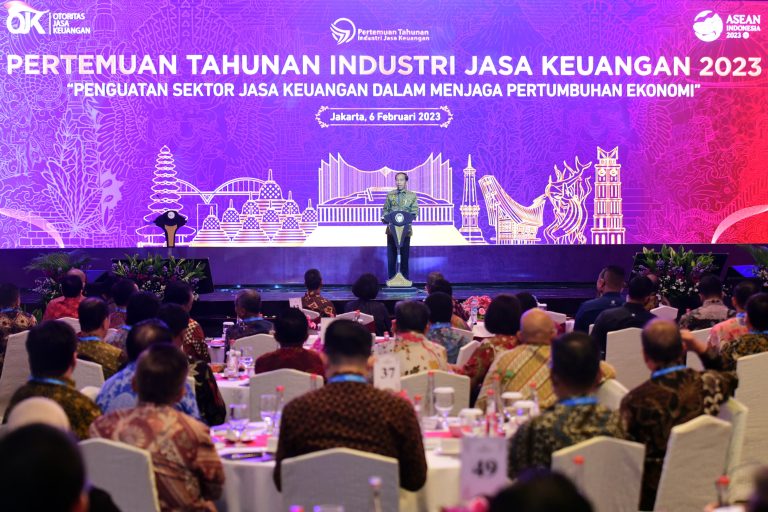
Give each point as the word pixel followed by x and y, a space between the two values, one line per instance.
pixel 466 335
pixel 311 314
pixel 696 457
pixel 752 370
pixel 692 360
pixel 294 382
pixel 465 352
pixel 72 322
pixel 624 351
pixel 362 318
pixel 339 476
pixel 88 373
pixel 122 470
pixel 416 384
pixel 736 413
pixel 665 313
pixel 605 461
pixel 559 319
pixel 15 369
pixel 610 394
pixel 259 344
pixel 91 392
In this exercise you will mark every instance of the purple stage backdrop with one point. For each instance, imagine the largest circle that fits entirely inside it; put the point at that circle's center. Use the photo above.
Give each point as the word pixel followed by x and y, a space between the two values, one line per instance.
pixel 284 122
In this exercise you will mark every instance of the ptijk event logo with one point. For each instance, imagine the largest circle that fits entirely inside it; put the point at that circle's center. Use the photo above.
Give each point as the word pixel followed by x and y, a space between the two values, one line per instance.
pixel 22 18
pixel 708 25
pixel 343 30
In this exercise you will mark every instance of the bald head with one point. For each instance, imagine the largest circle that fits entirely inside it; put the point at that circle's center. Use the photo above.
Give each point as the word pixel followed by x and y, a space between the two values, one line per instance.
pixel 536 327
pixel 662 343
pixel 248 303
pixel 77 272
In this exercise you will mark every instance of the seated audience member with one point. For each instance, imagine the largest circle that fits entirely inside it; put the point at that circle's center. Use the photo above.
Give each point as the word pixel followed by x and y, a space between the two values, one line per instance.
pixel 633 313
pixel 527 301
pixel 141 306
pixel 188 470
pixel 117 392
pixel 366 288
pixel 528 362
pixel 440 330
pixel 248 311
pixel 213 409
pixel 12 319
pixel 179 292
pixel 673 395
pixel 457 320
pixel 756 340
pixel 503 321
pixel 291 331
pixel 312 299
pixel 540 491
pixel 94 322
pixel 712 310
pixel 52 349
pixel 432 278
pixel 66 305
pixel 610 282
pixel 734 327
pixel 576 417
pixel 348 412
pixel 416 352
pixel 42 470
pixel 122 291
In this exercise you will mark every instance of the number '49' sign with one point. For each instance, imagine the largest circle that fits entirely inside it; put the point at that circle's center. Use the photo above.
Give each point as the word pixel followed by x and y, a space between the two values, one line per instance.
pixel 483 465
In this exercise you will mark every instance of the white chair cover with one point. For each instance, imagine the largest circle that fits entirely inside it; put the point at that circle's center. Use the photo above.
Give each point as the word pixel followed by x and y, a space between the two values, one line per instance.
pixel 610 394
pixel 558 318
pixel 124 471
pixel 72 322
pixel 260 344
pixel 624 352
pixel 339 477
pixel 363 318
pixel 294 382
pixel 692 360
pixel 465 352
pixel 607 461
pixel 191 382
pixel 696 454
pixel 736 413
pixel 15 368
pixel 91 392
pixel 665 312
pixel 310 313
pixel 88 373
pixel 591 326
pixel 465 334
pixel 417 385
pixel 751 393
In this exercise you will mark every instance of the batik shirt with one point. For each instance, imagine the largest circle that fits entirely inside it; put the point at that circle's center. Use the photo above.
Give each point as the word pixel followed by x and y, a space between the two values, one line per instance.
pixel 117 318
pixel 118 337
pixel 12 321
pixel 651 410
pixel 91 348
pixel 188 471
pixel 416 353
pixel 80 409
pixel 445 335
pixel 401 200
pixel 61 307
pixel 296 358
pixel 249 327
pixel 478 365
pixel 727 331
pixel 117 393
pixel 747 345
pixel 713 311
pixel 193 342
pixel 314 301
pixel 559 427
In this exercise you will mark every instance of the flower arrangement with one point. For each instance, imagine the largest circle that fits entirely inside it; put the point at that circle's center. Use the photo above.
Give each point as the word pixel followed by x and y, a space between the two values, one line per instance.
pixel 678 271
pixel 760 255
pixel 483 301
pixel 153 273
pixel 54 266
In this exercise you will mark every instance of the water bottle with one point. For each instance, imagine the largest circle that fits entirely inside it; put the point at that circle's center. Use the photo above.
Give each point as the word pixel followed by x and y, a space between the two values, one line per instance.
pixel 226 326
pixel 280 391
pixel 535 398
pixel 497 394
pixel 233 364
pixel 417 408
pixel 473 312
pixel 375 483
pixel 491 416
pixel 429 400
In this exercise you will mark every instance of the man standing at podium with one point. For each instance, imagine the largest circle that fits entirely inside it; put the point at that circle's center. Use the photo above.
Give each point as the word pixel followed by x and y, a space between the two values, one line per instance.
pixel 399 199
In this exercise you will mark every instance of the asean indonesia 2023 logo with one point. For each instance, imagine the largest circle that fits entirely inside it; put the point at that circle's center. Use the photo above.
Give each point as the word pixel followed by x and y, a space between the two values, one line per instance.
pixel 708 25
pixel 343 30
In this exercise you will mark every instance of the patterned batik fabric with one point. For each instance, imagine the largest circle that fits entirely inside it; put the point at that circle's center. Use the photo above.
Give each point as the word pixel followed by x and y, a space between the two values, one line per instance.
pixel 193 342
pixel 559 427
pixel 746 345
pixel 651 410
pixel 416 353
pixel 449 339
pixel 711 312
pixel 80 409
pixel 13 322
pixel 109 357
pixel 295 358
pixel 61 307
pixel 314 301
pixel 358 416
pixel 250 328
pixel 727 331
pixel 188 471
pixel 117 319
pixel 478 365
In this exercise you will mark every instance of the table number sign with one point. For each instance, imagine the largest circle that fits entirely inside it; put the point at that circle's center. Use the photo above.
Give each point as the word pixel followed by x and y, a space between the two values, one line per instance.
pixel 386 372
pixel 483 466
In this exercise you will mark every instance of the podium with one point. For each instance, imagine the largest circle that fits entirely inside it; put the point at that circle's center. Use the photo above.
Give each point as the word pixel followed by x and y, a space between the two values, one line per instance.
pixel 398 221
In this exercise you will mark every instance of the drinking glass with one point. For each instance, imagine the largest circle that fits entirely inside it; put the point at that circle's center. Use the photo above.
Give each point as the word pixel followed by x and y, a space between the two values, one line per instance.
pixel 471 424
pixel 444 403
pixel 268 408
pixel 248 360
pixel 238 419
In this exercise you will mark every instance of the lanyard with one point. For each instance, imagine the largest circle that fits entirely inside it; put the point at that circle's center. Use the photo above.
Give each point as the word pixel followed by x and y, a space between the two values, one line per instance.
pixel 579 400
pixel 439 325
pixel 758 332
pixel 348 377
pixel 120 310
pixel 252 319
pixel 664 371
pixel 126 327
pixel 89 338
pixel 48 380
pixel 8 310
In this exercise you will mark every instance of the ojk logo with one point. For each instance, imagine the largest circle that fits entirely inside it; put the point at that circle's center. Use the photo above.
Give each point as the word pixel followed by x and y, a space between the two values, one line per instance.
pixel 708 26
pixel 22 18
pixel 343 30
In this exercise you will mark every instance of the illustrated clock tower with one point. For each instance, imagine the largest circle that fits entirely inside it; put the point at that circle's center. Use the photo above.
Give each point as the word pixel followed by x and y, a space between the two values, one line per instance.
pixel 470 209
pixel 608 219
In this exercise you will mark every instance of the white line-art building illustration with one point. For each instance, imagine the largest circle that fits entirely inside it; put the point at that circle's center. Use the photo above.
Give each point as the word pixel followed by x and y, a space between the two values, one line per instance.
pixel 568 195
pixel 607 217
pixel 514 223
pixel 470 209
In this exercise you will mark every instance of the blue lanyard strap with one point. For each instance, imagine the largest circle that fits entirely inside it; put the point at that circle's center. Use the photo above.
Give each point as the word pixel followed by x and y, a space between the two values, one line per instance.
pixel 579 400
pixel 89 338
pixel 758 332
pixel 126 327
pixel 252 319
pixel 439 325
pixel 664 371
pixel 348 377
pixel 48 380
pixel 120 310
pixel 8 310
pixel 741 316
